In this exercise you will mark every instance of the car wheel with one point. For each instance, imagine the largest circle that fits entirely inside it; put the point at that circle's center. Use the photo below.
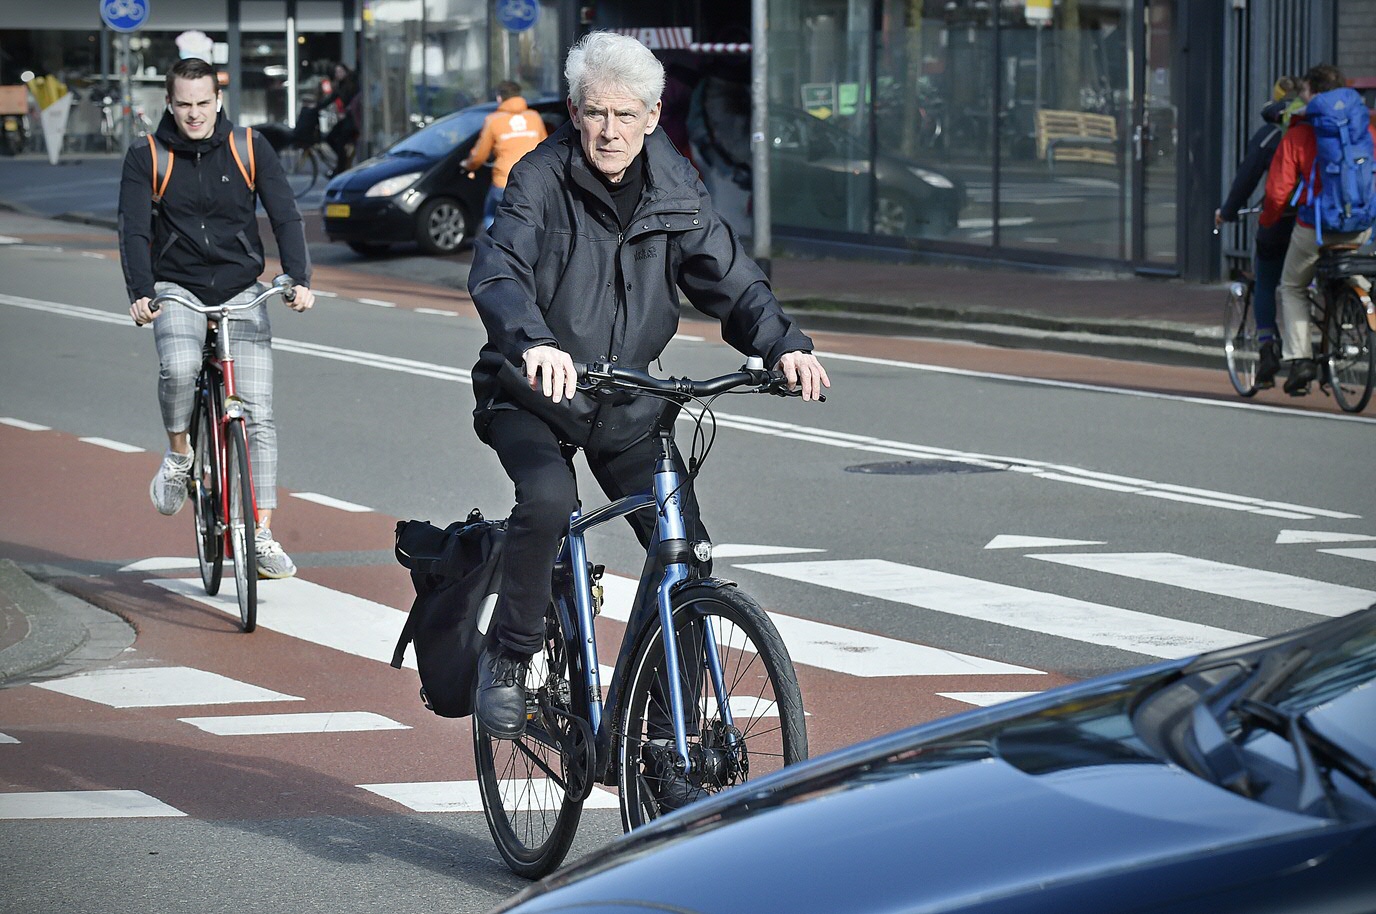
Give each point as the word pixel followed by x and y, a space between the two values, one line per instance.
pixel 893 215
pixel 441 225
pixel 368 248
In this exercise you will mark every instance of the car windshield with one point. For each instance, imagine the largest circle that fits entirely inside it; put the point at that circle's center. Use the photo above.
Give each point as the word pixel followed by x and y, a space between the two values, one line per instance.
pixel 442 136
pixel 1289 726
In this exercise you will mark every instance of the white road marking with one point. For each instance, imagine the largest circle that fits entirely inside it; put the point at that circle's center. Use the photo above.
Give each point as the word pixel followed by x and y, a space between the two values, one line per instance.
pixel 438 312
pixel 7 740
pixel 329 502
pixel 465 796
pixel 308 611
pixel 10 239
pixel 26 426
pixel 262 724
pixel 1367 554
pixel 162 563
pixel 841 650
pixel 741 550
pixel 160 687
pixel 94 255
pixel 1013 541
pixel 376 302
pixel 1220 579
pixel 321 293
pixel 1290 537
pixel 113 445
pixel 984 699
pixel 1003 604
pixel 84 804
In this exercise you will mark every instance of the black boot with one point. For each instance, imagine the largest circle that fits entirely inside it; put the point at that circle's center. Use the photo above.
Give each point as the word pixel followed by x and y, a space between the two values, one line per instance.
pixel 501 692
pixel 1268 363
pixel 1302 373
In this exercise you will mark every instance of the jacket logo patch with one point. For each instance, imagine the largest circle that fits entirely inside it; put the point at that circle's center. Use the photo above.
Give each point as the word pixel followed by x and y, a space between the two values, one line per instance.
pixel 224 179
pixel 646 253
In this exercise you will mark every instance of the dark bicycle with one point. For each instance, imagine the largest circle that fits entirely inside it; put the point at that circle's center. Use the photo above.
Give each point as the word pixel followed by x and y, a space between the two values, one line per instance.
pixel 703 695
pixel 305 157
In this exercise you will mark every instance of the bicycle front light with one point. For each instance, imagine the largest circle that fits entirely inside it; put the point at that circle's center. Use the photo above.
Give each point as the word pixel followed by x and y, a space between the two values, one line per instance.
pixel 390 187
pixel 702 551
pixel 1237 289
pixel 234 408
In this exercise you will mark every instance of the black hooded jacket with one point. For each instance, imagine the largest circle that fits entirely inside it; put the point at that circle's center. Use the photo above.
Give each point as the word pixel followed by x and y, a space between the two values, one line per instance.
pixel 1261 148
pixel 558 269
pixel 204 234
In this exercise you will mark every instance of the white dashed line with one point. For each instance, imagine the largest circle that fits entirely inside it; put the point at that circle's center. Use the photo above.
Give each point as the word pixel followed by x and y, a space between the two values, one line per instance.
pixel 26 426
pixel 329 502
pixel 375 302
pixel 113 445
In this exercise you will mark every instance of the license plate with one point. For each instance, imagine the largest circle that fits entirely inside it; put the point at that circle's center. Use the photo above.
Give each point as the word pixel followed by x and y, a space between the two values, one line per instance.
pixel 336 211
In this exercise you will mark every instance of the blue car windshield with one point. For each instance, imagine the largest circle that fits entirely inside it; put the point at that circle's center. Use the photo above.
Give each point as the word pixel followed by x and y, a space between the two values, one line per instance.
pixel 441 137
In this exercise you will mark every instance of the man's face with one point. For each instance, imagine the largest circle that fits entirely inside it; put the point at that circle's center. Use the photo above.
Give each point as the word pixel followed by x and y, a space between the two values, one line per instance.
pixel 613 126
pixel 194 108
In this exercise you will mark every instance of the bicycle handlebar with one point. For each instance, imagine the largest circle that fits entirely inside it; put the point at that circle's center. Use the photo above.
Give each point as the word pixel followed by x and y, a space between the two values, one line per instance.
pixel 758 380
pixel 281 285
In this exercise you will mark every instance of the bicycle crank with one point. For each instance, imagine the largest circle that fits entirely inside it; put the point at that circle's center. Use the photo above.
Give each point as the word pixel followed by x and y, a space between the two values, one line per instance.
pixel 577 751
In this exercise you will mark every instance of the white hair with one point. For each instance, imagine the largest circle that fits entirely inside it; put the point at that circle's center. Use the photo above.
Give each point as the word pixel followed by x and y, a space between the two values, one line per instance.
pixel 607 61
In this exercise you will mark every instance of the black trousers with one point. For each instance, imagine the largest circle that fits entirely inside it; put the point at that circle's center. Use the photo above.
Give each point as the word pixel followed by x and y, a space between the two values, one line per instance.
pixel 546 494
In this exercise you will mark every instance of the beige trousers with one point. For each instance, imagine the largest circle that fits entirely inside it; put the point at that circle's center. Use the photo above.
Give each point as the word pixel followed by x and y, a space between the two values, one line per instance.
pixel 1300 260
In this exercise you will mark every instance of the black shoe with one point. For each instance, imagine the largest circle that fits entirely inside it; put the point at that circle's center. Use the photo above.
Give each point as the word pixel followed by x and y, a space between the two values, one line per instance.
pixel 501 693
pixel 671 788
pixel 1302 373
pixel 1268 363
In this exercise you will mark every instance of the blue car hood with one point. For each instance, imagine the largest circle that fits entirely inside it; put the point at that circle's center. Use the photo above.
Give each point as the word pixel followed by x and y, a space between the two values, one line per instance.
pixel 364 175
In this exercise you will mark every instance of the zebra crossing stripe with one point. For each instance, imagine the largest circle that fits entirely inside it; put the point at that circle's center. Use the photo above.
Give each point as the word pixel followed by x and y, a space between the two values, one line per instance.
pixel 1366 554
pixel 160 687
pixel 465 796
pixel 1220 579
pixel 83 804
pixel 1003 604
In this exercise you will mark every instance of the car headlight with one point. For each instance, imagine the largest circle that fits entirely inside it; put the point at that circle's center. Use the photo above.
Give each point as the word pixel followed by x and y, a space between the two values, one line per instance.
pixel 389 187
pixel 929 177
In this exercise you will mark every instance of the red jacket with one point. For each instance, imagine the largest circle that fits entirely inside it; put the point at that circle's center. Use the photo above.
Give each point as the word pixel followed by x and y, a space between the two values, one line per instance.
pixel 1289 168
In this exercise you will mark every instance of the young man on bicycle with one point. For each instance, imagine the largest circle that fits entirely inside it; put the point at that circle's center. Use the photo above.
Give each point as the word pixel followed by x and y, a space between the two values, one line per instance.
pixel 601 227
pixel 200 239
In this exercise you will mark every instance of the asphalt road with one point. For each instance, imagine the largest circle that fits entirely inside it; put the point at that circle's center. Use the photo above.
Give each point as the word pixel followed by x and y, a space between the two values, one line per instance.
pixel 956 524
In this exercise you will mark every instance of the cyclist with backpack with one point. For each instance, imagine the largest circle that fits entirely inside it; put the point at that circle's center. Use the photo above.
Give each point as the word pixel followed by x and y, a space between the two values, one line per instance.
pixel 1323 167
pixel 188 224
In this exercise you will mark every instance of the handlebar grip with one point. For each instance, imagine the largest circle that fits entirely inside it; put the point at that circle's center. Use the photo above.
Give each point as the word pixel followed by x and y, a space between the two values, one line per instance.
pixel 285 285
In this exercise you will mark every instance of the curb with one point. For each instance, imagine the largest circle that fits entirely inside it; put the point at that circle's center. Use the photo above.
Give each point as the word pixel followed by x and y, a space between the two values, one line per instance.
pixel 53 633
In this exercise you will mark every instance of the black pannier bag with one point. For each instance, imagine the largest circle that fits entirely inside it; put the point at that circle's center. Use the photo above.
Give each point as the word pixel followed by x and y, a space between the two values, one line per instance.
pixel 457 573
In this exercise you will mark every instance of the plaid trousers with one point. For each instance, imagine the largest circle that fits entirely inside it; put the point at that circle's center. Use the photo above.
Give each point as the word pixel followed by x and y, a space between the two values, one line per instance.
pixel 180 336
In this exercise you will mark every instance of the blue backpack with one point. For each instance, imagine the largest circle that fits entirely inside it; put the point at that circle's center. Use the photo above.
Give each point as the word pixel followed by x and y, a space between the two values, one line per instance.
pixel 1346 199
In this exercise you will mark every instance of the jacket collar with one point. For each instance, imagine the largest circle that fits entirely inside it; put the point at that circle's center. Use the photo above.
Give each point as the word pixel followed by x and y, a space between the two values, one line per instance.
pixel 168 135
pixel 667 174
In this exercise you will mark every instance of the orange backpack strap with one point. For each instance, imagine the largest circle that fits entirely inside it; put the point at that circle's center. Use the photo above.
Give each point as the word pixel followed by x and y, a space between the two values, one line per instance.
pixel 241 145
pixel 160 188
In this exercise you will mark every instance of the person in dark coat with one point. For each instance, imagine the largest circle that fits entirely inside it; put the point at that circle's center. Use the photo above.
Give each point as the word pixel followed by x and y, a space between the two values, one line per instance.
pixel 201 240
pixel 1272 241
pixel 601 227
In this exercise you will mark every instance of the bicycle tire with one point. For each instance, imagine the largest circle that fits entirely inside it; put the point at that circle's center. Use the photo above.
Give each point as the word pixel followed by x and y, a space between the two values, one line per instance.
pixel 524 783
pixel 1241 348
pixel 301 168
pixel 239 532
pixel 1351 348
pixel 769 729
pixel 205 490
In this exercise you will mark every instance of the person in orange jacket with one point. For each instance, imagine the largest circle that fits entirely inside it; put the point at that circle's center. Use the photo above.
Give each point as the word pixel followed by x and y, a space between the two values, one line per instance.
pixel 1290 168
pixel 511 131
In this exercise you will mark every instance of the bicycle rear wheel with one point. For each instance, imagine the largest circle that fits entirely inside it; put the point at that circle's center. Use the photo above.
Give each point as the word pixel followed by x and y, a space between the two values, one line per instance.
pixel 241 530
pixel 767 729
pixel 301 167
pixel 1241 347
pixel 1351 352
pixel 205 489
pixel 533 787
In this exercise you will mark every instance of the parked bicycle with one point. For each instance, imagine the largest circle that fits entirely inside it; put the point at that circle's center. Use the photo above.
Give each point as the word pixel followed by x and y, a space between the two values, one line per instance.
pixel 703 695
pixel 1344 322
pixel 221 482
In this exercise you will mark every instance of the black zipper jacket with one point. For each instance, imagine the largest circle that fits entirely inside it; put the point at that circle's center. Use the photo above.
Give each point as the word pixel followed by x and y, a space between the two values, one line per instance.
pixel 558 269
pixel 204 234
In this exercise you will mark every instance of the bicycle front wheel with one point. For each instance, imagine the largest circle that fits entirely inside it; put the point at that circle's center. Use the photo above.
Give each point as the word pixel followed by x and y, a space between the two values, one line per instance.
pixel 1241 347
pixel 763 731
pixel 301 168
pixel 240 532
pixel 205 491
pixel 533 787
pixel 1351 353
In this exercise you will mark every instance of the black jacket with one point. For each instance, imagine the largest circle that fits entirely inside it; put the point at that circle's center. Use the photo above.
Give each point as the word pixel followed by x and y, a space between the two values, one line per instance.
pixel 1271 241
pixel 204 234
pixel 557 269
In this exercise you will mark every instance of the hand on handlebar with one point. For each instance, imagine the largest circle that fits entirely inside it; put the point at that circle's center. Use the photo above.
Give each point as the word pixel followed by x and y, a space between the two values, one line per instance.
pixel 141 313
pixel 550 370
pixel 802 370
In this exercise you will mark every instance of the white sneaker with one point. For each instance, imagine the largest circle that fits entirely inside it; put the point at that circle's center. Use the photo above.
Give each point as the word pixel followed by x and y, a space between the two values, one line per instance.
pixel 272 561
pixel 168 488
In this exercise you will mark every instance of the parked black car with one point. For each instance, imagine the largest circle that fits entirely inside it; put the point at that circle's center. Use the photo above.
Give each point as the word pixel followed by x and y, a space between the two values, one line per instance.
pixel 1243 780
pixel 416 190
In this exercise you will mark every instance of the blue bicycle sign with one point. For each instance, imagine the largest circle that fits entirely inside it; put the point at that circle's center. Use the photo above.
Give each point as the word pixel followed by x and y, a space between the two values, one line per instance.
pixel 517 15
pixel 124 15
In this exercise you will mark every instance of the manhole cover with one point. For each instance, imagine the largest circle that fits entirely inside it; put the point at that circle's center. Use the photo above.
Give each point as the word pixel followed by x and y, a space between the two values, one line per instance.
pixel 922 468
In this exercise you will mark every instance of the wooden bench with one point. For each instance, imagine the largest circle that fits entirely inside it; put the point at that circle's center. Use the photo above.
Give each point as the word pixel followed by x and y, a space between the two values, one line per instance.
pixel 1076 136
